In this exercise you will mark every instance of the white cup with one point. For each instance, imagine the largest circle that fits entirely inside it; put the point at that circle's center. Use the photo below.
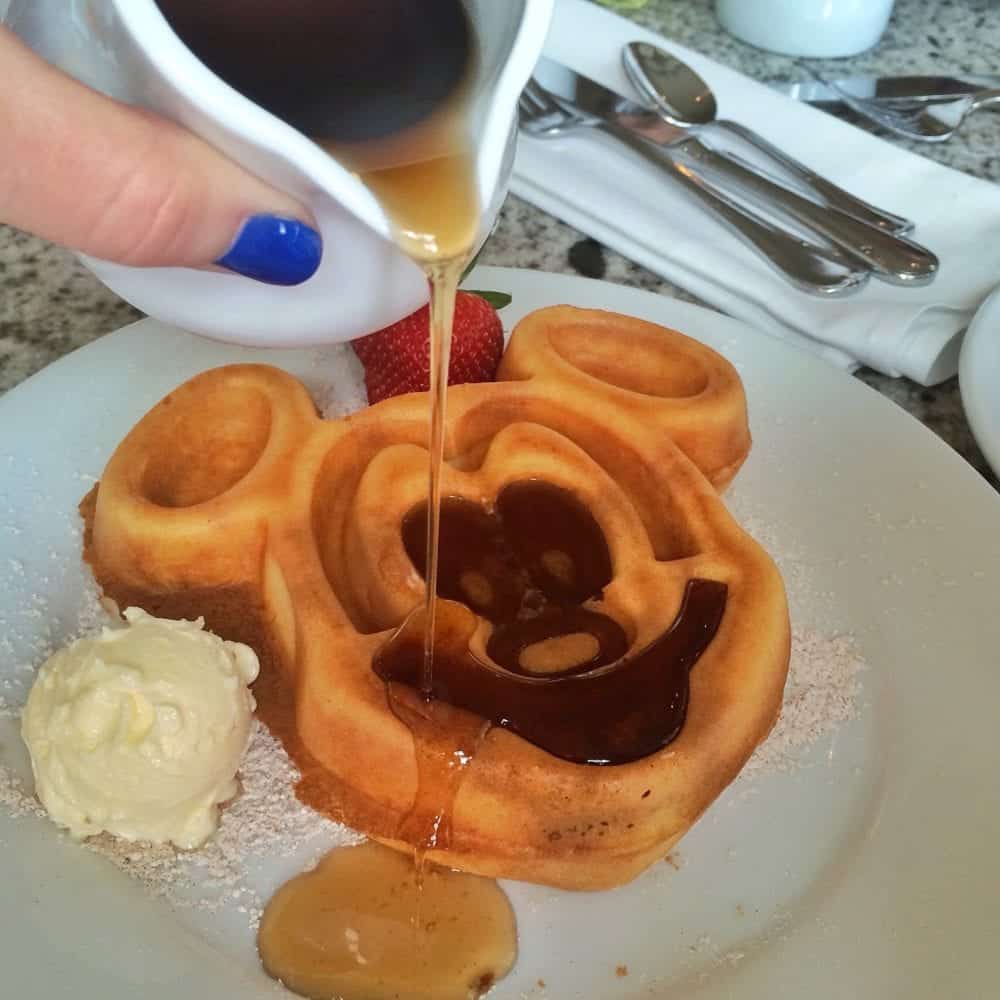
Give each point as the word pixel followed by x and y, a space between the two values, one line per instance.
pixel 817 28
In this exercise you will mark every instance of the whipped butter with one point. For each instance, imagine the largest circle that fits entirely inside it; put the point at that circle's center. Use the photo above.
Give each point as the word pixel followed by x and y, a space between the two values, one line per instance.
pixel 139 731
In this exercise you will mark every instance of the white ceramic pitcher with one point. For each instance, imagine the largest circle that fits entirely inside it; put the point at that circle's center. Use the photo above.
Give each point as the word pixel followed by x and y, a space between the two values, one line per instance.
pixel 126 49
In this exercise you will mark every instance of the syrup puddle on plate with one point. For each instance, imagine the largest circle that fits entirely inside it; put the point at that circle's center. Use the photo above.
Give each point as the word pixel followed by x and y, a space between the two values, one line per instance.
pixel 363 926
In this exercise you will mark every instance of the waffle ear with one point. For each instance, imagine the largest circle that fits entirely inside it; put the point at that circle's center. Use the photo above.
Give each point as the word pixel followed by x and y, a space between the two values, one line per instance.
pixel 628 367
pixel 207 464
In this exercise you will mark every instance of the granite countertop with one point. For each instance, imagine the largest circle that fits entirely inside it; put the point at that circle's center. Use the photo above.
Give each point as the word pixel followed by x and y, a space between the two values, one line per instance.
pixel 50 304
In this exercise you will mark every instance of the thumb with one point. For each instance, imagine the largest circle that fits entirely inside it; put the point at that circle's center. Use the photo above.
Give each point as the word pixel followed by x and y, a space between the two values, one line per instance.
pixel 124 185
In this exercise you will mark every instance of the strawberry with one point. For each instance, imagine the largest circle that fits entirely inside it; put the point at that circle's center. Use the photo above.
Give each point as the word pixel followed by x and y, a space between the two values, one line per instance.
pixel 396 358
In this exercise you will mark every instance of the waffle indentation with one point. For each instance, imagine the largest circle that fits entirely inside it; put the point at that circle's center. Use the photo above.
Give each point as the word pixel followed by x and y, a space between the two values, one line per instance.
pixel 233 427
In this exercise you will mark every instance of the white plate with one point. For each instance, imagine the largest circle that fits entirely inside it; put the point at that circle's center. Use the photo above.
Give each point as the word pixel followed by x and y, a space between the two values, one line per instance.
pixel 871 874
pixel 979 378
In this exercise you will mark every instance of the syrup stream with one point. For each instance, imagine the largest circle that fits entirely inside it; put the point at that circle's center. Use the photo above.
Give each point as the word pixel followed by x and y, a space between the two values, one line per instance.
pixel 434 207
pixel 444 277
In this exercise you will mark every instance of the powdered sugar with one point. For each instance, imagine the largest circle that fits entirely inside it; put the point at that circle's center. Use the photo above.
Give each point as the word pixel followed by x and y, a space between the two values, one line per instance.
pixel 824 683
pixel 15 799
pixel 822 691
pixel 265 820
pixel 31 633
pixel 342 389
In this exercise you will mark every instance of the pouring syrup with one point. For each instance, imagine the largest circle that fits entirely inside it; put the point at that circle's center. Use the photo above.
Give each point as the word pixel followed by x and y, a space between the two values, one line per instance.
pixel 434 207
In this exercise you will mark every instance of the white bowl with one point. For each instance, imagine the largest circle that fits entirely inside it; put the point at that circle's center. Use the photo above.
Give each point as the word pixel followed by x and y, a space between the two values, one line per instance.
pixel 979 378
pixel 817 28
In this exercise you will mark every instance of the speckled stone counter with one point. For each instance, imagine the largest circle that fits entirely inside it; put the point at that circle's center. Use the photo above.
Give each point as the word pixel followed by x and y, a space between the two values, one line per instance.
pixel 49 304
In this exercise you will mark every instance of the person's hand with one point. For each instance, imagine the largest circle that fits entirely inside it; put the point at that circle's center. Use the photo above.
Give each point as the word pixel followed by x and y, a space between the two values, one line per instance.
pixel 124 185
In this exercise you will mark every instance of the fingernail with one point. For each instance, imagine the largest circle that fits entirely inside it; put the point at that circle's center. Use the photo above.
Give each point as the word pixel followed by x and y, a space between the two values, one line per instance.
pixel 275 250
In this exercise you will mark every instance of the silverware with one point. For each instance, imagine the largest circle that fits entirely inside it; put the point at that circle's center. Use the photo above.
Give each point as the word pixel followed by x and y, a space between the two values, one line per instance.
pixel 925 121
pixel 814 269
pixel 891 258
pixel 882 89
pixel 681 96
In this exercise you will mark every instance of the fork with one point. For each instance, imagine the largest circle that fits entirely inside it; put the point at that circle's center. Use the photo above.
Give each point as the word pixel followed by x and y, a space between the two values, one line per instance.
pixel 820 270
pixel 925 121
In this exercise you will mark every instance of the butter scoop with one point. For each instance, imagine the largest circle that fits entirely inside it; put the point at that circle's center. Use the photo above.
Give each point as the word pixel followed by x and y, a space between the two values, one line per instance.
pixel 139 731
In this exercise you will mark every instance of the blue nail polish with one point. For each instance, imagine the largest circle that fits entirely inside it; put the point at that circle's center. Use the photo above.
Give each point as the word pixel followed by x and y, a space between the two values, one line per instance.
pixel 275 250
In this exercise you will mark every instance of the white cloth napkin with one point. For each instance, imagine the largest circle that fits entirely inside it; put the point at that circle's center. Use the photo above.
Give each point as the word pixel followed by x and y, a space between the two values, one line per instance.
pixel 608 193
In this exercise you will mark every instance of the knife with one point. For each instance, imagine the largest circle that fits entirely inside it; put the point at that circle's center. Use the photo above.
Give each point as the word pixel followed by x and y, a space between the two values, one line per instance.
pixel 889 257
pixel 884 88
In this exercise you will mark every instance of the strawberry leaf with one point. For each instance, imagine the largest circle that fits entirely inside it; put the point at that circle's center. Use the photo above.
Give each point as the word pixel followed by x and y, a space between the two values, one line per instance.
pixel 496 299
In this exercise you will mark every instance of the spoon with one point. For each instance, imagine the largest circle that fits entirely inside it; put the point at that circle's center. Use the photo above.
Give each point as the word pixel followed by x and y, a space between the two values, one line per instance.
pixel 681 97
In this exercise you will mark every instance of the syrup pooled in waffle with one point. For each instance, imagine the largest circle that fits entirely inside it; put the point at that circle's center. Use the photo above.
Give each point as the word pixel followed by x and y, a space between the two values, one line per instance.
pixel 611 645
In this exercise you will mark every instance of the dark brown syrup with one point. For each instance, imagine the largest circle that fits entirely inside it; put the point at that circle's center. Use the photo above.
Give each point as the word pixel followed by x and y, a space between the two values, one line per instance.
pixel 350 72
pixel 527 567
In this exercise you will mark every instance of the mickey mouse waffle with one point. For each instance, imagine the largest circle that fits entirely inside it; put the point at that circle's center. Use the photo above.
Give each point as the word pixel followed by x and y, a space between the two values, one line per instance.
pixel 611 646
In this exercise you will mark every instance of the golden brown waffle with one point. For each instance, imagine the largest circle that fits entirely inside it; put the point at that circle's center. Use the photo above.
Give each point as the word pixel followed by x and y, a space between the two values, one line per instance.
pixel 232 499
